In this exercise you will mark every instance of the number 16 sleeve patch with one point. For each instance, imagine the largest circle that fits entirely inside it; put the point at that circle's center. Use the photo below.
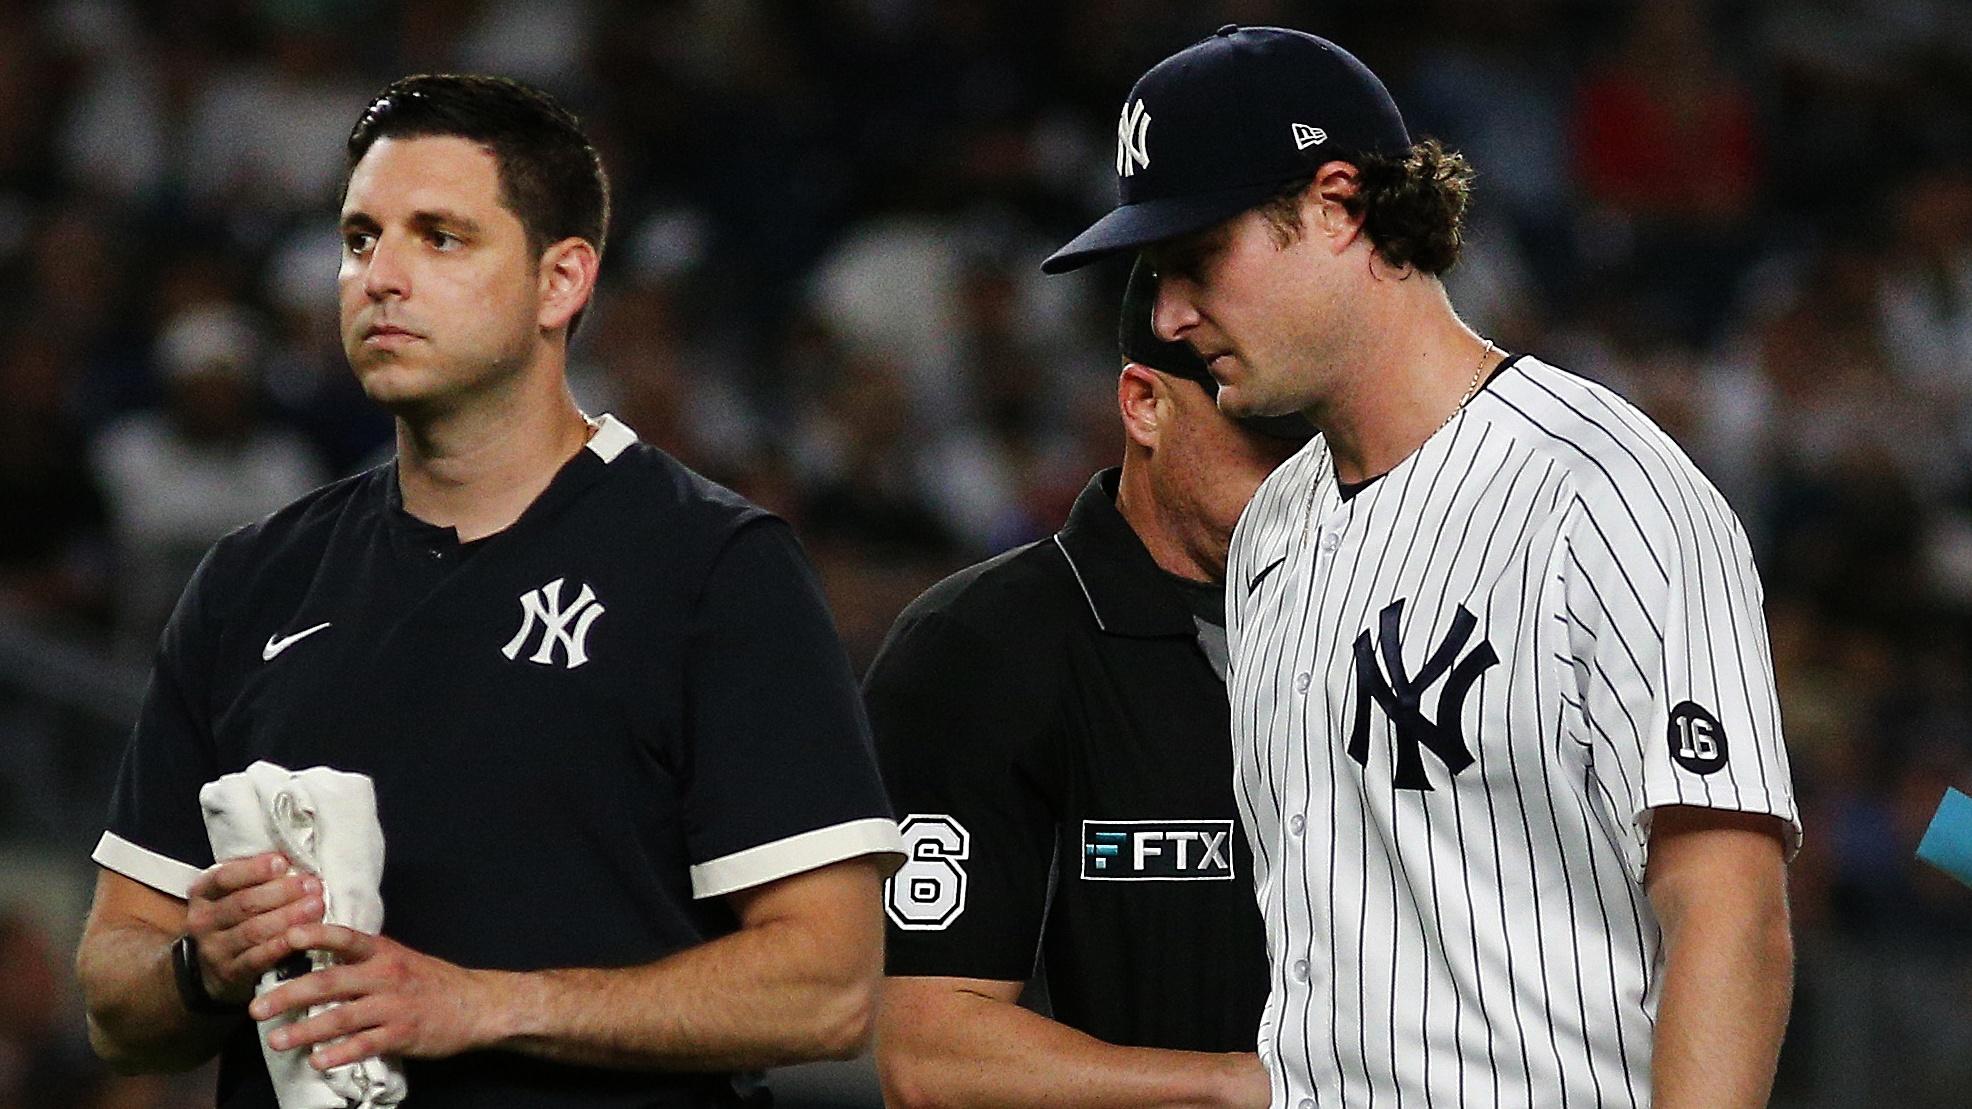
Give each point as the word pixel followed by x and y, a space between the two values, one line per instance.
pixel 1669 652
pixel 1697 740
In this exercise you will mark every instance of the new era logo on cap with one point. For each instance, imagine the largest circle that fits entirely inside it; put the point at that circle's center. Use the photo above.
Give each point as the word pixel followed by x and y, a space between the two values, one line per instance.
pixel 1306 136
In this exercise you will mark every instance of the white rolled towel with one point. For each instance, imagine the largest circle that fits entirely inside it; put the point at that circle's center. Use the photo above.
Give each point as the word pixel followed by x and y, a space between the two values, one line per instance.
pixel 325 822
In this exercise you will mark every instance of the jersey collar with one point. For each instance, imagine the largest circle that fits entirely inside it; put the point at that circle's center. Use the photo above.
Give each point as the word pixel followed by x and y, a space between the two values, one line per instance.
pixel 1126 591
pixel 610 439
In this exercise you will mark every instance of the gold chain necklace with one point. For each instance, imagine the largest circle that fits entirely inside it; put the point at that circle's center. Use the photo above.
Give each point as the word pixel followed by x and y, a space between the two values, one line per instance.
pixel 1471 390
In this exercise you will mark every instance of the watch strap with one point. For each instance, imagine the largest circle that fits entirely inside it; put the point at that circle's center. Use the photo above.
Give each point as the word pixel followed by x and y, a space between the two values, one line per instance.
pixel 191 982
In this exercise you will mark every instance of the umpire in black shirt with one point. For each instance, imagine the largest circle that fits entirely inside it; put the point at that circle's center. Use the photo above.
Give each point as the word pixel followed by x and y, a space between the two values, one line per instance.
pixel 1052 725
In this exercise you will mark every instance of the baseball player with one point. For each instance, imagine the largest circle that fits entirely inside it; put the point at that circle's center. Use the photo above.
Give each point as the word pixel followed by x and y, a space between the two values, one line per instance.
pixel 1053 724
pixel 1505 734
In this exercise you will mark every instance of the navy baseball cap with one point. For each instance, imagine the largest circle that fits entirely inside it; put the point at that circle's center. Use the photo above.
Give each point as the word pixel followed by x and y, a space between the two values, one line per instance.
pixel 1139 343
pixel 1222 124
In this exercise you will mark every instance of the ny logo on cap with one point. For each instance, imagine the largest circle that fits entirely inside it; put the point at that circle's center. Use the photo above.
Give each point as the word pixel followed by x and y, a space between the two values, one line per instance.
pixel 1132 140
pixel 1306 136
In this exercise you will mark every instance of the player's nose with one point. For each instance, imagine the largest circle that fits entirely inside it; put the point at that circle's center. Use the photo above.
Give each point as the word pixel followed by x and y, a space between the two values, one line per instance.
pixel 1173 313
pixel 385 274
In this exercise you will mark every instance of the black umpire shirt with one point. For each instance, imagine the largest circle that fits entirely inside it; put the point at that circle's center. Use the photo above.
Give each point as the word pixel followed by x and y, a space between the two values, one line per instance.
pixel 1056 743
pixel 583 730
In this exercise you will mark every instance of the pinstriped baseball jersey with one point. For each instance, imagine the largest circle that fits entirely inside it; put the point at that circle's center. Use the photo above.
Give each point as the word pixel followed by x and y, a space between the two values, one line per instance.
pixel 1457 696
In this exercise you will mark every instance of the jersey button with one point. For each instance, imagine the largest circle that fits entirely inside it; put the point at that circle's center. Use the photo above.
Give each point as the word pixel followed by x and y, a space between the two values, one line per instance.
pixel 1296 824
pixel 1330 541
pixel 1301 681
pixel 1306 1103
pixel 1300 970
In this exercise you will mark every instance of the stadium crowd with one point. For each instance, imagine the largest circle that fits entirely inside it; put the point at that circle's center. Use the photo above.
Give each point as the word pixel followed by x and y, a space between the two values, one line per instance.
pixel 1753 217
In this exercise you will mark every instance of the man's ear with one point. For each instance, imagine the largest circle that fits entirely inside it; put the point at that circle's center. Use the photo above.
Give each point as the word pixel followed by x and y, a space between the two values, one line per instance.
pixel 1323 204
pixel 1140 394
pixel 567 281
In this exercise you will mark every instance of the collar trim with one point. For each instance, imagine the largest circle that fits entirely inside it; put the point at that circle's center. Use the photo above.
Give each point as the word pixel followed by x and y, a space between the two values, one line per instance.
pixel 1094 609
pixel 612 438
pixel 1126 591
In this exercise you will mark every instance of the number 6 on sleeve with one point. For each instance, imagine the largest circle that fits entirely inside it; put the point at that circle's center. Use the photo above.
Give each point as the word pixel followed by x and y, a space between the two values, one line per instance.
pixel 928 892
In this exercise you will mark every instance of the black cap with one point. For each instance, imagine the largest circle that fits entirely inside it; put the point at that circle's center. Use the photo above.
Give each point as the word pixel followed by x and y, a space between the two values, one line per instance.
pixel 1222 124
pixel 1139 343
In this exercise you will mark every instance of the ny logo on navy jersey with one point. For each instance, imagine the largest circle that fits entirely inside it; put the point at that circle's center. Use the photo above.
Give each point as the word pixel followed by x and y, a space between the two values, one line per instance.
pixel 568 627
pixel 1400 695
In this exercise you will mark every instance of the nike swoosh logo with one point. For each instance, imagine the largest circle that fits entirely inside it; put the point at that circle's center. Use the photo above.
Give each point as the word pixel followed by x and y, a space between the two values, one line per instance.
pixel 278 643
pixel 1262 575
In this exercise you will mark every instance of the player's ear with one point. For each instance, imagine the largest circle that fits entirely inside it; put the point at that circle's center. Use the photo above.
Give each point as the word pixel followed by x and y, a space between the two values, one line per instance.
pixel 1323 205
pixel 567 279
pixel 1140 394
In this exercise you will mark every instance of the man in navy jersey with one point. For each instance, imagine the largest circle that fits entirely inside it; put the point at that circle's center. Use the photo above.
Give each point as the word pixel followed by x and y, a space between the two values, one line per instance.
pixel 634 833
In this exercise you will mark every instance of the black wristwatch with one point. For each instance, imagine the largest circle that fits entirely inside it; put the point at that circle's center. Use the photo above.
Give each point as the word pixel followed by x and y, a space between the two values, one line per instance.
pixel 191 982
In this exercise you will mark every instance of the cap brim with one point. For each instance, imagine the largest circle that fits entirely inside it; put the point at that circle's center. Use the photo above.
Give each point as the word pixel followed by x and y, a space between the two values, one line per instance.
pixel 1132 226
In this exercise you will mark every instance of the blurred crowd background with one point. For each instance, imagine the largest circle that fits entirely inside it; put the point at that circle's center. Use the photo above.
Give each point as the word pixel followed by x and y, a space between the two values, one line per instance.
pixel 1754 217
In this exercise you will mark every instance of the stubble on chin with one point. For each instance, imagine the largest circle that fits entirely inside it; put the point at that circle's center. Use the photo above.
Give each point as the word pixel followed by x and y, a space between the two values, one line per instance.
pixel 419 389
pixel 389 383
pixel 1238 402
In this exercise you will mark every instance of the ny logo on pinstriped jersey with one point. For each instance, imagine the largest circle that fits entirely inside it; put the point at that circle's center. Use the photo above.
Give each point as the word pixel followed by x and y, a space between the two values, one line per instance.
pixel 1400 695
pixel 543 605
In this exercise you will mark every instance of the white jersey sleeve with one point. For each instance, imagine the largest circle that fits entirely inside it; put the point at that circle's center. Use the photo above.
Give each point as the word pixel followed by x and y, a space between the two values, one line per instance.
pixel 1673 685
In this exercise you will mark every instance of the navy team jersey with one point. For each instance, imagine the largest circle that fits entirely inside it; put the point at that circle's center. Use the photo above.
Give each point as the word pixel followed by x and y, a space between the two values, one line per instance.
pixel 1054 734
pixel 583 730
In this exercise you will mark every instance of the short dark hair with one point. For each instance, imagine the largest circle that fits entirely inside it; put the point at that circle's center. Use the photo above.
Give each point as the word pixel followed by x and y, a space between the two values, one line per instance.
pixel 550 173
pixel 1412 204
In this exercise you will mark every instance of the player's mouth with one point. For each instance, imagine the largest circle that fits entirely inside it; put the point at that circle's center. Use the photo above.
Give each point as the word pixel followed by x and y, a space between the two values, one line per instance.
pixel 389 335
